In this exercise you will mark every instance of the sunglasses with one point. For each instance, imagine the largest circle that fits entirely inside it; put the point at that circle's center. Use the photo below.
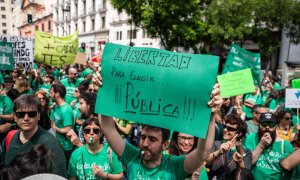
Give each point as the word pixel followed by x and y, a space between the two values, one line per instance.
pixel 30 114
pixel 230 128
pixel 270 124
pixel 88 130
pixel 287 118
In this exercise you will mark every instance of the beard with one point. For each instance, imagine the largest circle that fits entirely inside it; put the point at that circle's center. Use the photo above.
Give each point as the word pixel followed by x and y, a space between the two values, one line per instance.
pixel 272 134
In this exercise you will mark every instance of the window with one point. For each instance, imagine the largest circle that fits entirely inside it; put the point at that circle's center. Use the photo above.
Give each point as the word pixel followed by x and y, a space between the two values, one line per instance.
pixel 83 28
pixel 2 1
pixel 131 34
pixel 119 35
pixel 93 24
pixel 104 4
pixel 103 22
pixel 76 27
pixel 69 27
pixel 144 33
pixel 4 31
pixel 43 29
pixel 3 16
pixel 2 8
pixel 49 25
pixel 4 24
pixel 84 7
pixel 36 28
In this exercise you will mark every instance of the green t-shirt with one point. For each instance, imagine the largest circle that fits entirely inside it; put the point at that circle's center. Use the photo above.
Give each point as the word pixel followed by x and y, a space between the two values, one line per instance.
pixel 56 73
pixel 63 116
pixel 267 166
pixel 124 123
pixel 45 87
pixel 255 99
pixel 171 167
pixel 82 161
pixel 276 86
pixel 70 87
pixel 296 173
pixel 6 105
pixel 273 105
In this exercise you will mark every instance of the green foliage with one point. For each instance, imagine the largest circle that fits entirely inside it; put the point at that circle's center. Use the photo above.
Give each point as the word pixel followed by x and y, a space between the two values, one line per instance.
pixel 198 24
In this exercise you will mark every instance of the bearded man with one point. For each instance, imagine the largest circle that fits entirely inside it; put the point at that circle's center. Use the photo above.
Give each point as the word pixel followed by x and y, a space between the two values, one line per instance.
pixel 267 149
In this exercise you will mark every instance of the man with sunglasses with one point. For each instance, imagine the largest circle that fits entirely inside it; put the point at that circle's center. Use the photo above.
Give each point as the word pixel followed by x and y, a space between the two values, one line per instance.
pixel 71 83
pixel 27 109
pixel 267 149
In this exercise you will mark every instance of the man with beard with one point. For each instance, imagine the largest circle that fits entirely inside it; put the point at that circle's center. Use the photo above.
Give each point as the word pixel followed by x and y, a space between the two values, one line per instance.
pixel 71 83
pixel 149 162
pixel 267 149
pixel 62 118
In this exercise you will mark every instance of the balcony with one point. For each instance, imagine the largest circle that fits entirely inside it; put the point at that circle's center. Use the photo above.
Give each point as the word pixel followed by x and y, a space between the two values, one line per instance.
pixel 92 10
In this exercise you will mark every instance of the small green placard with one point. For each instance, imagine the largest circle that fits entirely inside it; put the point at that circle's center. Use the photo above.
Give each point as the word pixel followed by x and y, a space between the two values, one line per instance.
pixel 157 87
pixel 6 56
pixel 236 83
pixel 296 83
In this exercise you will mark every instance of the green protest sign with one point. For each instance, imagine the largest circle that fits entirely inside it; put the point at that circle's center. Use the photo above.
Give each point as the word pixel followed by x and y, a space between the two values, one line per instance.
pixel 157 87
pixel 239 58
pixel 296 83
pixel 53 50
pixel 236 83
pixel 6 56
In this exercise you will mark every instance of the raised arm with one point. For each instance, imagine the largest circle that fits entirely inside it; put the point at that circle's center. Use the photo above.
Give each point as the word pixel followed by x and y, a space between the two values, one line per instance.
pixel 291 161
pixel 111 134
pixel 194 159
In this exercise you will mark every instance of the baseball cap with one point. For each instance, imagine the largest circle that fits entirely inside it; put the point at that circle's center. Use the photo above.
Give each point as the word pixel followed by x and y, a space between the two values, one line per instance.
pixel 267 117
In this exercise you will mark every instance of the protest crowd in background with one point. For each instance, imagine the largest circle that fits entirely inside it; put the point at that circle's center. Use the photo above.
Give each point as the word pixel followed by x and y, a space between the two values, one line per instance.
pixel 255 135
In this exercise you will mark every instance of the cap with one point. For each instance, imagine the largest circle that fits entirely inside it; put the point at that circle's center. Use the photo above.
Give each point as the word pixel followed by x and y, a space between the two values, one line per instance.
pixel 267 117
pixel 87 72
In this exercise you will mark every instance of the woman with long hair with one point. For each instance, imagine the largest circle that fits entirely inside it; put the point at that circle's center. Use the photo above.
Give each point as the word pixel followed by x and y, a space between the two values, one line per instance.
pixel 94 159
pixel 285 130
pixel 44 121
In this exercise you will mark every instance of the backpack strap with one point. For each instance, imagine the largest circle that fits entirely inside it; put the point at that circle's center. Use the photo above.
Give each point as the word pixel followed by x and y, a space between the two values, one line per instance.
pixel 8 138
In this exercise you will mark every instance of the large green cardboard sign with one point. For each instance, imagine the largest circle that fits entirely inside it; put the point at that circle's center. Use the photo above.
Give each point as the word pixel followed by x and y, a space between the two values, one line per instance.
pixel 239 58
pixel 157 87
pixel 6 56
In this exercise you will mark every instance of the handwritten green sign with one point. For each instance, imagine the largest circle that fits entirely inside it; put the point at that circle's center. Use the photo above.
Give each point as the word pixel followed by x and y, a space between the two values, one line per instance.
pixel 6 56
pixel 236 83
pixel 53 50
pixel 296 83
pixel 239 58
pixel 157 87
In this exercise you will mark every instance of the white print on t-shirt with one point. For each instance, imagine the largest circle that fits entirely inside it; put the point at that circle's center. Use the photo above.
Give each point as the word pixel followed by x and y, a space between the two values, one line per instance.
pixel 87 168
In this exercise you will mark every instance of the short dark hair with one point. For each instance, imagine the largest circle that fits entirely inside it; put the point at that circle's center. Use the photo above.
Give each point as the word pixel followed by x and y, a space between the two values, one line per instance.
pixel 26 101
pixel 165 132
pixel 257 106
pixel 236 120
pixel 60 89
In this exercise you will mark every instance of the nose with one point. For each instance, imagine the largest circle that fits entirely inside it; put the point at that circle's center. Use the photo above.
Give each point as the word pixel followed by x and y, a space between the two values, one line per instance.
pixel 146 142
pixel 26 117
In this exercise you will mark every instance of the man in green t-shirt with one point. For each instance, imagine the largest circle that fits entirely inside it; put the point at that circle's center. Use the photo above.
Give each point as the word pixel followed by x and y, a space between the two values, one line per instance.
pixel 267 149
pixel 148 161
pixel 252 125
pixel 70 84
pixel 62 117
pixel 27 112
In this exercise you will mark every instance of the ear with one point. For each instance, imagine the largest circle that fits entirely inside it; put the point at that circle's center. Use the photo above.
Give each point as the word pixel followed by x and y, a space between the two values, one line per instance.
pixel 165 144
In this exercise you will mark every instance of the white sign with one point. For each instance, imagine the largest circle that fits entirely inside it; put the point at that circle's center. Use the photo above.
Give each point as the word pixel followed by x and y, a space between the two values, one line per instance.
pixel 292 98
pixel 22 49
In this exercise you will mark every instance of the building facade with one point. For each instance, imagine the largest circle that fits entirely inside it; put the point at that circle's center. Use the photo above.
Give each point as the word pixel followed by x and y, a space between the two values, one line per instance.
pixel 6 9
pixel 97 22
pixel 41 12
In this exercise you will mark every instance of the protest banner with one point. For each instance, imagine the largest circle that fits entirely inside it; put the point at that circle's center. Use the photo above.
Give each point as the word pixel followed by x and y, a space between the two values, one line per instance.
pixel 296 83
pixel 6 56
pixel 22 50
pixel 236 83
pixel 55 51
pixel 239 58
pixel 80 58
pixel 292 98
pixel 157 87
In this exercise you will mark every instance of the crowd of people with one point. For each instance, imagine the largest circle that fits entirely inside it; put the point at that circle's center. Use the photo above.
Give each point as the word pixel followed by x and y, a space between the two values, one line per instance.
pixel 48 125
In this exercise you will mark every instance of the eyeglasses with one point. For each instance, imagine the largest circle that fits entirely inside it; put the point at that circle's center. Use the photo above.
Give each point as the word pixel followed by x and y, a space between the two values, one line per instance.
pixel 30 114
pixel 183 139
pixel 88 130
pixel 230 128
pixel 270 124
pixel 287 118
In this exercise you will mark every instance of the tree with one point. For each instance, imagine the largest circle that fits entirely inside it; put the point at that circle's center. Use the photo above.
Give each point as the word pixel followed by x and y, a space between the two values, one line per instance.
pixel 177 23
